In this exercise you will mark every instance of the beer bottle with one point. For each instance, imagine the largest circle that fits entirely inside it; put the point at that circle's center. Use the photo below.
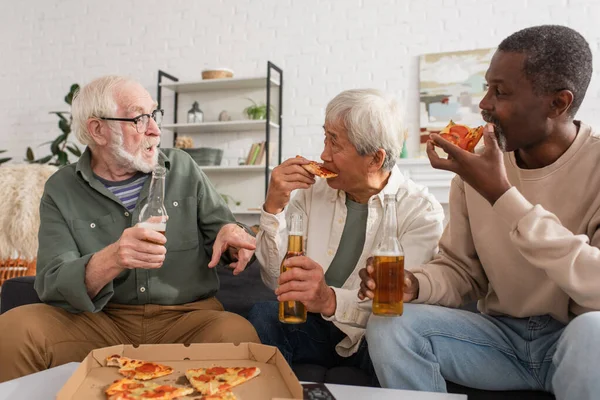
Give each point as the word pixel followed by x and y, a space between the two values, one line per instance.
pixel 293 312
pixel 154 215
pixel 388 262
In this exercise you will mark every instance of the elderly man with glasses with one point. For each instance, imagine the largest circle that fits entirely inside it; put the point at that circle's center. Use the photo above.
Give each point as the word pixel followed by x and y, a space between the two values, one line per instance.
pixel 103 279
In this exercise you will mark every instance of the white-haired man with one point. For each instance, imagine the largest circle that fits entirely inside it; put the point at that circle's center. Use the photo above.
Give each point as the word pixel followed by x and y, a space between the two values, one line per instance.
pixel 343 217
pixel 106 281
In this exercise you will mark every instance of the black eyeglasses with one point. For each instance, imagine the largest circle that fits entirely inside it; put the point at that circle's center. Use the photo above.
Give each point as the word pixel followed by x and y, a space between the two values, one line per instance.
pixel 141 121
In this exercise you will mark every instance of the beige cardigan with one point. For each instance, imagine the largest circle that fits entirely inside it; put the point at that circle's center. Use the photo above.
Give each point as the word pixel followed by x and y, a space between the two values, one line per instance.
pixel 535 251
pixel 420 224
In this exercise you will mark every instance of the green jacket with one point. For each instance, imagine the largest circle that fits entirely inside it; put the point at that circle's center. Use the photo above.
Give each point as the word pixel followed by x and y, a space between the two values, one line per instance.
pixel 79 216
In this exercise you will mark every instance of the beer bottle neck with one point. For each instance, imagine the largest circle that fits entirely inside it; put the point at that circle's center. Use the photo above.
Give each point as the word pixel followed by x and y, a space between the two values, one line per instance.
pixel 295 234
pixel 390 222
pixel 295 244
pixel 154 209
pixel 157 191
pixel 389 243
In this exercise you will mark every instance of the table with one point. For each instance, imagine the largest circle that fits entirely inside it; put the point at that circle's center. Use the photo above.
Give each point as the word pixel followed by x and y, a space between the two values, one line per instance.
pixel 46 384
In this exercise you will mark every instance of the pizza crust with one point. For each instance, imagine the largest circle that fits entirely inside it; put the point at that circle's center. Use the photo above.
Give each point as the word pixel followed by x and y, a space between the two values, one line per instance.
pixel 131 389
pixel 138 369
pixel 210 381
pixel 318 170
pixel 220 396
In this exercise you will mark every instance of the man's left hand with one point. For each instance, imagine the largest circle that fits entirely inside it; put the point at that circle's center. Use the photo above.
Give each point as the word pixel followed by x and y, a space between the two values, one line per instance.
pixel 241 246
pixel 484 172
pixel 305 282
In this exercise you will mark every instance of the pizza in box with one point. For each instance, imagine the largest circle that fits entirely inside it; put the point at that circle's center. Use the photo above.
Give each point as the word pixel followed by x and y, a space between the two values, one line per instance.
pixel 212 383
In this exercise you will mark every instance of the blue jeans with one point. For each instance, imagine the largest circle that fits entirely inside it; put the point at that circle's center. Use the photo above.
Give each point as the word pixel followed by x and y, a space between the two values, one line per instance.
pixel 312 342
pixel 429 344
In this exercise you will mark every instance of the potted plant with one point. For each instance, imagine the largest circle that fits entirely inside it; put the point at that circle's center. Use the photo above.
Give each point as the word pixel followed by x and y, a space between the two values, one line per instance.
pixel 256 111
pixel 227 197
pixel 61 144
pixel 5 159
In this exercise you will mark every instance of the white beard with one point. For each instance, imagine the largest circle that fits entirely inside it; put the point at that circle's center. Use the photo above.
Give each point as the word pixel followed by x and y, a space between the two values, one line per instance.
pixel 136 160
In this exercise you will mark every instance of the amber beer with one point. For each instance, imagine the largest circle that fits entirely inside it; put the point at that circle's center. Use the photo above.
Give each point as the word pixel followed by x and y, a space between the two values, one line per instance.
pixel 389 278
pixel 293 312
pixel 388 262
pixel 159 227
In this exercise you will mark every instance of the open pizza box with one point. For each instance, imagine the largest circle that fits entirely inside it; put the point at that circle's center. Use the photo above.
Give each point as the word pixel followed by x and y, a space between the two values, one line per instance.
pixel 276 379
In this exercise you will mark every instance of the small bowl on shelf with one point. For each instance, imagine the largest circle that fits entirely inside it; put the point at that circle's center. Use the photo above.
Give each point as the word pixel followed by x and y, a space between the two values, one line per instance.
pixel 206 156
pixel 217 73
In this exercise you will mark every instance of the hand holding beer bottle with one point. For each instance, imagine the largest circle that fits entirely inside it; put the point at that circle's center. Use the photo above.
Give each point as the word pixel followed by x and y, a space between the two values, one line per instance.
pixel 293 312
pixel 388 263
pixel 368 286
pixel 142 246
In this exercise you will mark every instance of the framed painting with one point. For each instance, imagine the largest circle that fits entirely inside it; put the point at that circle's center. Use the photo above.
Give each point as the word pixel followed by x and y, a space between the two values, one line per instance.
pixel 451 86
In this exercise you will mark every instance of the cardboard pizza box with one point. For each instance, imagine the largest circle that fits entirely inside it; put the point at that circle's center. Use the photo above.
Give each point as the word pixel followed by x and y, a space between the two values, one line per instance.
pixel 276 379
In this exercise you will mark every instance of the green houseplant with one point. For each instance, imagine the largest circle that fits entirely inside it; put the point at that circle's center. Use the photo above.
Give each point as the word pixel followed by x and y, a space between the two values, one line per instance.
pixel 4 159
pixel 256 111
pixel 61 146
pixel 227 197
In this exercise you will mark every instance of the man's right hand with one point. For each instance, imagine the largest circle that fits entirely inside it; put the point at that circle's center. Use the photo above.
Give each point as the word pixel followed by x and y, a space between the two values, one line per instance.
pixel 367 284
pixel 285 178
pixel 136 248
pixel 140 248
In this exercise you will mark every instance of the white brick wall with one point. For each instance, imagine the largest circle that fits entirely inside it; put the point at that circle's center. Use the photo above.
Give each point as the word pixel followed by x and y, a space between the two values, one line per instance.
pixel 323 47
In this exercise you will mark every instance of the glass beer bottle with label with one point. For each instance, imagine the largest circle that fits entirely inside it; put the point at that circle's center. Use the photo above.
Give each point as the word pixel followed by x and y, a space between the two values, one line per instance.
pixel 388 262
pixel 154 215
pixel 293 312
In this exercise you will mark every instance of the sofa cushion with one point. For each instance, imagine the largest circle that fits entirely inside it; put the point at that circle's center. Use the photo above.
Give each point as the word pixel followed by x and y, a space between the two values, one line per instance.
pixel 17 292
pixel 239 293
pixel 310 372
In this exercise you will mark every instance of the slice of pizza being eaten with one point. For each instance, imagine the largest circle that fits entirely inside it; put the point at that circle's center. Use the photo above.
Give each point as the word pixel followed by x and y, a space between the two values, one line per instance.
pixel 210 381
pixel 138 369
pixel 131 389
pixel 462 136
pixel 318 169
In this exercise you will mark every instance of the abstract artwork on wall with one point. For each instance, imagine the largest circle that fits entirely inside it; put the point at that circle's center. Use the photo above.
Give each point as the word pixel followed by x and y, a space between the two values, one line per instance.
pixel 451 87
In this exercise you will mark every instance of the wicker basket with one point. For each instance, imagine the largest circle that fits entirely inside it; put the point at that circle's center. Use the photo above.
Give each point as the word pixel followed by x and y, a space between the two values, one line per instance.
pixel 15 267
pixel 206 156
pixel 218 73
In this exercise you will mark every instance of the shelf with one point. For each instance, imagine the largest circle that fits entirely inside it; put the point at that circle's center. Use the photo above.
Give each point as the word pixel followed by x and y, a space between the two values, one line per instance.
pixel 403 162
pixel 245 212
pixel 220 84
pixel 236 168
pixel 213 127
pixel 228 93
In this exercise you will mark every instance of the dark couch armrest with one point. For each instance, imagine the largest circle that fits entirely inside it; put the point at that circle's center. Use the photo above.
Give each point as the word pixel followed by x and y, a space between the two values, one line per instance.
pixel 18 292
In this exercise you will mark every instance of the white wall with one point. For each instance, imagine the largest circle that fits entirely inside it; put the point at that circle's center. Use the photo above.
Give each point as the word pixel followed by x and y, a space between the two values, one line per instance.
pixel 323 47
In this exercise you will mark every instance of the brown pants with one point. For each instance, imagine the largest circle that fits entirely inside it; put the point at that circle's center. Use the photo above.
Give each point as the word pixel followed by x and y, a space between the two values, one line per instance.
pixel 38 336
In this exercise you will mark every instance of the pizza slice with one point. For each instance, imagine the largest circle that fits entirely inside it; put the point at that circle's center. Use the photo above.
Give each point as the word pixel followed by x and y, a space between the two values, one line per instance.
pixel 131 389
pixel 209 381
pixel 318 169
pixel 462 136
pixel 138 369
pixel 220 396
